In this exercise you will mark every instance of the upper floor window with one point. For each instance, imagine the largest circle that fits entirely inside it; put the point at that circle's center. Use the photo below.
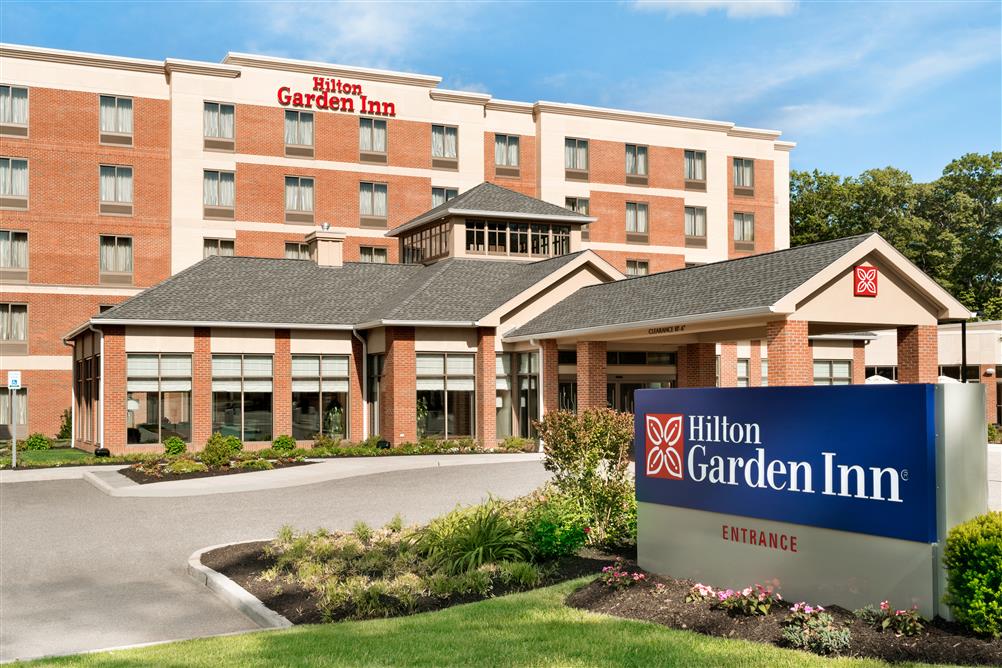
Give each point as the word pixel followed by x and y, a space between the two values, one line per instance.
pixel 440 196
pixel 13 183
pixel 116 189
pixel 13 256
pixel 637 268
pixel 506 155
pixel 744 231
pixel 695 170
pixel 636 162
pixel 372 255
pixel 218 127
pixel 744 176
pixel 372 140
pixel 636 221
pixel 695 227
pixel 832 372
pixel 742 372
pixel 299 134
pixel 218 194
pixel 116 120
pixel 297 251
pixel 116 260
pixel 444 146
pixel 372 204
pixel 580 205
pixel 575 158
pixel 765 373
pixel 298 199
pixel 14 329
pixel 519 239
pixel 14 111
pixel 222 247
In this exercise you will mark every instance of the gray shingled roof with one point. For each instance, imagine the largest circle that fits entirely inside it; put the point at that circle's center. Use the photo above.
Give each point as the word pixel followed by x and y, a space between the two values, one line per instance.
pixel 298 292
pixel 489 197
pixel 743 283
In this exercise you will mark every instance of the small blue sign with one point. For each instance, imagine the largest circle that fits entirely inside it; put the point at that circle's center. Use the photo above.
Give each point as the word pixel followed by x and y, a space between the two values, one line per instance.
pixel 857 458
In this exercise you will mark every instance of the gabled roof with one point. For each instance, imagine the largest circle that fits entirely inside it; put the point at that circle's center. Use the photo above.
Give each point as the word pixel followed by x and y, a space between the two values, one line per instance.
pixel 488 200
pixel 745 284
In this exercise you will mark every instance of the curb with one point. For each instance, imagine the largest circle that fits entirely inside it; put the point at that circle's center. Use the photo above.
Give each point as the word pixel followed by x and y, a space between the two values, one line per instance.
pixel 233 594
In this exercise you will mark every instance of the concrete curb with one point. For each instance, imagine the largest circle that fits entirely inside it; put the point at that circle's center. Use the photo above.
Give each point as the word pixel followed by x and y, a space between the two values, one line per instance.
pixel 8 476
pixel 233 594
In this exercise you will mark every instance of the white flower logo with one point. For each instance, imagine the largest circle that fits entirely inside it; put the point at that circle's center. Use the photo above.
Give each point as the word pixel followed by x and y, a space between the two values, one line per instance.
pixel 866 281
pixel 663 440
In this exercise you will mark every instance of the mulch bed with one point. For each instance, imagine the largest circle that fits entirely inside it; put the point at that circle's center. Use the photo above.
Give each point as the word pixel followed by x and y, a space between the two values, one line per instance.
pixel 243 563
pixel 662 600
pixel 138 476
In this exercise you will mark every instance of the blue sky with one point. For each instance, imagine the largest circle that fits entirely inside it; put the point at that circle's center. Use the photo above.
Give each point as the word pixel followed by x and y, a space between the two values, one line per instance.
pixel 856 85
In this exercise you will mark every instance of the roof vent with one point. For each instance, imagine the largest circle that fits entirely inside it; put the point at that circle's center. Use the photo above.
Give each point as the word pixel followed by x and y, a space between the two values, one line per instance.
pixel 326 248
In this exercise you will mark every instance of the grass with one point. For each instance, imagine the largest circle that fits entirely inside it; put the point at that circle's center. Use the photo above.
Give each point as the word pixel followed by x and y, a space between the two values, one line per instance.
pixel 529 629
pixel 51 457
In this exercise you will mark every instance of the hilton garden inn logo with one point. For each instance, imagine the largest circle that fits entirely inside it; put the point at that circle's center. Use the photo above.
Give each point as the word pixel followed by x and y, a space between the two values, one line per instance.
pixel 722 452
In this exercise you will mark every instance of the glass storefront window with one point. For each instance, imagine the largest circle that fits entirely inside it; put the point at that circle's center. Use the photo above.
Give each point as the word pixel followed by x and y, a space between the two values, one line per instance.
pixel 503 396
pixel 158 399
pixel 242 396
pixel 319 396
pixel 374 369
pixel 528 394
pixel 445 395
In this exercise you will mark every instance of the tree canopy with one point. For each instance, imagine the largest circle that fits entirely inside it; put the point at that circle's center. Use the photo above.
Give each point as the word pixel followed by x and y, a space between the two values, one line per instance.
pixel 951 228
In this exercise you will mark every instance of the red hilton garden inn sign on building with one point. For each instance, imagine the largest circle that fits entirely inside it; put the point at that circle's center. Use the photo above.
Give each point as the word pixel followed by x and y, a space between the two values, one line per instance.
pixel 864 281
pixel 335 95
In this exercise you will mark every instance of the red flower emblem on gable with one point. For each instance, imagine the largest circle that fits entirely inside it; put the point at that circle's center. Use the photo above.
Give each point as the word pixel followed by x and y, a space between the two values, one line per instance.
pixel 864 281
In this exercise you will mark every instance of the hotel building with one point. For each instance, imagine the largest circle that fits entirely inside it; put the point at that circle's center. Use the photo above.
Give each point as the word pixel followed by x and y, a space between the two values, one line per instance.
pixel 260 193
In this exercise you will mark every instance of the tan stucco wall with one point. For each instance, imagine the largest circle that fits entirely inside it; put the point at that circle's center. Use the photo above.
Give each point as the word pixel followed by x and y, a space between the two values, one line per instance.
pixel 314 342
pixel 159 340
pixel 252 341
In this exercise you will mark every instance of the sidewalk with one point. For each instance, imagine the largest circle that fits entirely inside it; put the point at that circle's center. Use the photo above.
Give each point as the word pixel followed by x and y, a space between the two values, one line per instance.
pixel 108 480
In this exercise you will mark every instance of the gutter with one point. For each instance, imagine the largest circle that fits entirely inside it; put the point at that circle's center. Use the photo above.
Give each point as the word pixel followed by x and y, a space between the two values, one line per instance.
pixel 212 323
pixel 416 323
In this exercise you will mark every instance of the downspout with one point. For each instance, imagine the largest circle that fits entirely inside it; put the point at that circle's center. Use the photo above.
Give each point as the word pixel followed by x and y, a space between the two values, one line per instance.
pixel 365 383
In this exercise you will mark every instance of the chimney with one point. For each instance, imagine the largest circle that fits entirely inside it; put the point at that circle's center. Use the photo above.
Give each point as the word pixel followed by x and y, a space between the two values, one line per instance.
pixel 326 248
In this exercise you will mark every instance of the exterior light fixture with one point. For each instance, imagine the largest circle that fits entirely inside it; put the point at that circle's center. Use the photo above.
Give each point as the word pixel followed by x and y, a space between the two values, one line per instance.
pixel 325 227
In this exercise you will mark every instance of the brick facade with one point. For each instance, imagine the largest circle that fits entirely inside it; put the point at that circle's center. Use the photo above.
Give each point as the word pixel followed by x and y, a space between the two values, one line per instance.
pixel 486 373
pixel 918 354
pixel 550 370
pixel 755 364
pixel 858 362
pixel 697 365
pixel 201 388
pixel 760 204
pixel 592 377
pixel 991 392
pixel 728 364
pixel 114 403
pixel 281 385
pixel 790 360
pixel 398 390
pixel 525 182
pixel 356 393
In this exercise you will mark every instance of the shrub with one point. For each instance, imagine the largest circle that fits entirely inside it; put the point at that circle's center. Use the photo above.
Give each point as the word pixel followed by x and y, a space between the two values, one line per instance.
pixel 363 531
pixel 815 631
pixel 37 441
pixel 617 577
pixel 254 465
pixel 517 444
pixel 973 559
pixel 65 425
pixel 750 601
pixel 994 436
pixel 219 449
pixel 396 524
pixel 901 622
pixel 284 443
pixel 174 445
pixel 589 456
pixel 468 538
pixel 181 466
pixel 324 442
pixel 556 526
pixel 520 574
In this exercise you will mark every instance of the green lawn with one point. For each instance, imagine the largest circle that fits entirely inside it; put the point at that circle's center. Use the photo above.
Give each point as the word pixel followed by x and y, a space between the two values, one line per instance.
pixel 531 629
pixel 51 457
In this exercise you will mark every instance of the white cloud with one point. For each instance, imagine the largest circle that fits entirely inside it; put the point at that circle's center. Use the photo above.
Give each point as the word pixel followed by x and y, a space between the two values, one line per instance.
pixel 735 9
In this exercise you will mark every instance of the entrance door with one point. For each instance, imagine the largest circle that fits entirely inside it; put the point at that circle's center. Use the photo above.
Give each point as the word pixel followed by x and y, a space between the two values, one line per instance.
pixel 619 395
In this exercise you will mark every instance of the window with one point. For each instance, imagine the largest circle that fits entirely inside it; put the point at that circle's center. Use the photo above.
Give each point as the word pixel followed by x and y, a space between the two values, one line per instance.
pixel 445 395
pixel 888 372
pixel 445 146
pixel 14 329
pixel 744 176
pixel 222 247
pixel 742 372
pixel 639 357
pixel 218 194
pixel 636 165
pixel 297 251
pixel 116 190
pixel 765 373
pixel 576 159
pixel 14 111
pixel 954 370
pixel 372 140
pixel 158 403
pixel 374 371
pixel 427 243
pixel 372 204
pixel 636 222
pixel 567 357
pixel 695 227
pixel 299 134
pixel 218 127
pixel 744 231
pixel 116 120
pixel 506 155
pixel 116 260
pixel 372 255
pixel 440 196
pixel 832 372
pixel 13 183
pixel 527 386
pixel 319 396
pixel 580 205
pixel 20 411
pixel 298 199
pixel 13 257
pixel 695 170
pixel 502 238
pixel 241 396
pixel 636 268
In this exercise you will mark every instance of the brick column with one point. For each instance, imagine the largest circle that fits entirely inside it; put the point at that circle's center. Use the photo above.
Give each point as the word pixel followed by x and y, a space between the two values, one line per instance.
pixel 281 384
pixel 755 364
pixel 790 358
pixel 918 352
pixel 201 388
pixel 486 379
pixel 728 364
pixel 398 391
pixel 991 392
pixel 356 397
pixel 697 365
pixel 551 376
pixel 858 362
pixel 113 402
pixel 592 376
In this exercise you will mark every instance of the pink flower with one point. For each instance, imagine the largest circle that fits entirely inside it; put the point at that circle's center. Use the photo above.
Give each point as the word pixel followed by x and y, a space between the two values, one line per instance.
pixel 885 606
pixel 587 530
